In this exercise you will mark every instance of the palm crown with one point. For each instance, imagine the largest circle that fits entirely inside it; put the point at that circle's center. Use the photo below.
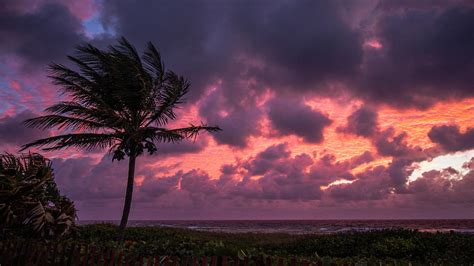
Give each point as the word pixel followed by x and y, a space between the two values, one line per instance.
pixel 117 100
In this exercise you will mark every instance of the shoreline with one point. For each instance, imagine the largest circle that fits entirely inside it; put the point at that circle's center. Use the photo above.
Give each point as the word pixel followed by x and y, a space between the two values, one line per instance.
pixel 304 227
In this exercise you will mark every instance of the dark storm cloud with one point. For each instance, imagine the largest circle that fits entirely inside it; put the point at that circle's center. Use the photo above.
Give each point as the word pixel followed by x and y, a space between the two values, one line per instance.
pixel 13 132
pixel 426 56
pixel 327 169
pixel 187 33
pixel 285 179
pixel 299 51
pixel 83 179
pixel 362 122
pixel 236 126
pixel 238 120
pixel 373 184
pixel 440 188
pixel 234 53
pixel 393 5
pixel 388 143
pixel 292 117
pixel 268 159
pixel 206 40
pixel 47 34
pixel 289 179
pixel 451 139
pixel 399 171
pixel 194 182
pixel 361 159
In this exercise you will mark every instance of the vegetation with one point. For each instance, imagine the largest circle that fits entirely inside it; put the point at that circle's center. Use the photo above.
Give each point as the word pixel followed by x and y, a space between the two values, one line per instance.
pixel 30 203
pixel 388 245
pixel 117 100
pixel 123 102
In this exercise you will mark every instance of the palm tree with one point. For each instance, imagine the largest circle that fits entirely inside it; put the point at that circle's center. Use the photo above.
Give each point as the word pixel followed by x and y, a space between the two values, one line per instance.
pixel 30 202
pixel 117 100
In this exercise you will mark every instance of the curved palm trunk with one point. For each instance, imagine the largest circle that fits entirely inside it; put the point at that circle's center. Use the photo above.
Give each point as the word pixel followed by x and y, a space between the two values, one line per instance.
pixel 128 196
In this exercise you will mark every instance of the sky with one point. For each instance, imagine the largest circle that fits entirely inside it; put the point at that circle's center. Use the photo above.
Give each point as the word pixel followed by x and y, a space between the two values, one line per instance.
pixel 330 109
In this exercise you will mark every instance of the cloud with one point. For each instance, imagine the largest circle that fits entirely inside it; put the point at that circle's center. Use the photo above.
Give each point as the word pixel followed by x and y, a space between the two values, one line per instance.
pixel 426 57
pixel 252 63
pixel 285 180
pixel 377 183
pixel 14 134
pixel 85 179
pixel 197 184
pixel 388 143
pixel 443 188
pixel 373 184
pixel 451 139
pixel 183 147
pixel 396 5
pixel 39 37
pixel 82 10
pixel 218 36
pixel 238 120
pixel 325 49
pixel 292 117
pixel 267 159
pixel 362 122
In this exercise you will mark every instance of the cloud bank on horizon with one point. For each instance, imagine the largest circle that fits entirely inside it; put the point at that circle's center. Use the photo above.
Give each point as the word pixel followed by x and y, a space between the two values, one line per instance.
pixel 329 108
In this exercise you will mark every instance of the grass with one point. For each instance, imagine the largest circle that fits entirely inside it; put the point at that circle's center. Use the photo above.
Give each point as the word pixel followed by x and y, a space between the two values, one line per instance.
pixel 387 245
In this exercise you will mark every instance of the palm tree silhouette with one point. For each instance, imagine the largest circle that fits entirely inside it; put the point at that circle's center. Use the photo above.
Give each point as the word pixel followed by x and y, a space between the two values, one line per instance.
pixel 117 100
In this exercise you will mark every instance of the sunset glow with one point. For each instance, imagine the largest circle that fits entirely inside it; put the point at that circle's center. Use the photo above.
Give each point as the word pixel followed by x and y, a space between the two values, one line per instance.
pixel 320 111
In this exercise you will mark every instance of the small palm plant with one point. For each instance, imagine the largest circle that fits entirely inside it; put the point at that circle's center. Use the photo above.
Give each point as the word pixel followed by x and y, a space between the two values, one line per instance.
pixel 29 199
pixel 117 100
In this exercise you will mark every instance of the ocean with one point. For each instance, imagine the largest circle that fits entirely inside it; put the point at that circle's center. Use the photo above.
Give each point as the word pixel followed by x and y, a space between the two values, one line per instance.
pixel 307 226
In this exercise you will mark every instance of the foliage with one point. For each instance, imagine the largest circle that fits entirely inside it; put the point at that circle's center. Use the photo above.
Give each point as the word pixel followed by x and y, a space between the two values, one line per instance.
pixel 30 202
pixel 386 245
pixel 117 100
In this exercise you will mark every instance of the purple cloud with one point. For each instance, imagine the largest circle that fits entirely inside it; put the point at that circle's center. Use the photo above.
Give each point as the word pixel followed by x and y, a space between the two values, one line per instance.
pixel 426 56
pixel 47 34
pixel 451 139
pixel 237 120
pixel 388 143
pixel 291 117
pixel 14 134
pixel 362 122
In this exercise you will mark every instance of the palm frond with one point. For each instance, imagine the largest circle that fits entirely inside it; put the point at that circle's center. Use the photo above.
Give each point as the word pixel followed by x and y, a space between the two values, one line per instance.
pixel 192 131
pixel 63 122
pixel 116 98
pixel 88 141
pixel 93 57
pixel 127 49
pixel 76 86
pixel 63 75
pixel 153 63
pixel 90 72
pixel 159 135
pixel 169 98
pixel 186 132
pixel 106 117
